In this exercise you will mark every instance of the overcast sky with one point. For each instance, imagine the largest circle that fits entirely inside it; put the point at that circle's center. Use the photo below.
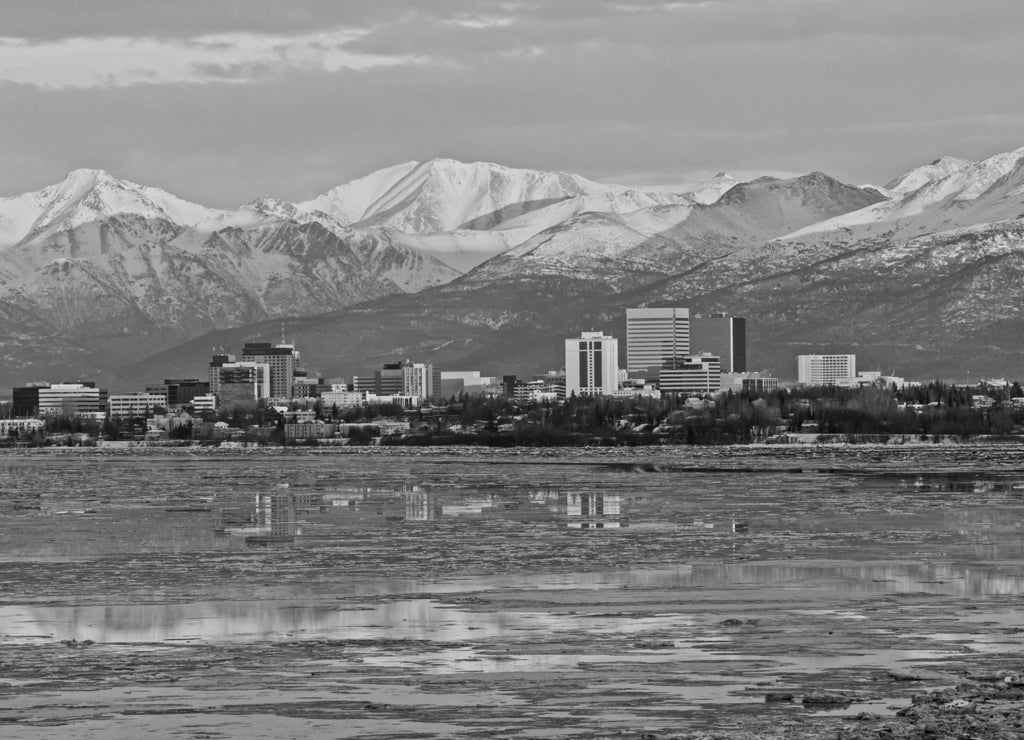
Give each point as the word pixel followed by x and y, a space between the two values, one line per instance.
pixel 222 101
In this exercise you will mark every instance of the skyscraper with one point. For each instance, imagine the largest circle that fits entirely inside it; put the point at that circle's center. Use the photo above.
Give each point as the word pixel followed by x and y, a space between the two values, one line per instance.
pixel 656 337
pixel 723 336
pixel 280 358
pixel 421 379
pixel 591 365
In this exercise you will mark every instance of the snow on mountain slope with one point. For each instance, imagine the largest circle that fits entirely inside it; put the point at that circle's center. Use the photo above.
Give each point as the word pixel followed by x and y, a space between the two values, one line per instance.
pixel 674 238
pixel 706 192
pixel 86 195
pixel 445 195
pixel 131 273
pixel 916 178
pixel 989 190
pixel 591 246
pixel 350 201
pixel 462 250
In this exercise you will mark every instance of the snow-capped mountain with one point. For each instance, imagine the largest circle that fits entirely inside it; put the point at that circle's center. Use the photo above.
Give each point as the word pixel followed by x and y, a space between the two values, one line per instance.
pixel 98 269
pixel 947 194
pixel 625 250
pixel 916 178
pixel 85 196
pixel 444 195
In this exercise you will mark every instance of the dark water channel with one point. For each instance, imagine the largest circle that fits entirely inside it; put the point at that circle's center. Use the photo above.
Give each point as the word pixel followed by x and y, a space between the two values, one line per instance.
pixel 442 594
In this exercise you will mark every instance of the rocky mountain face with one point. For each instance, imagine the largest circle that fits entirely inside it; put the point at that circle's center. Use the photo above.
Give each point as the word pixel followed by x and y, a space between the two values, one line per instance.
pixel 100 277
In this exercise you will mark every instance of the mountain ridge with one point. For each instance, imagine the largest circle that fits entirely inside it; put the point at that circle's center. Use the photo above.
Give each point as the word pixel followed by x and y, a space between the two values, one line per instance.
pixel 108 270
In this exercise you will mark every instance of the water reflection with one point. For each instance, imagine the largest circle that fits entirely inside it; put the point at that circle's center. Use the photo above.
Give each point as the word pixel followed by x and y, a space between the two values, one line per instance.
pixel 594 511
pixel 422 506
pixel 271 521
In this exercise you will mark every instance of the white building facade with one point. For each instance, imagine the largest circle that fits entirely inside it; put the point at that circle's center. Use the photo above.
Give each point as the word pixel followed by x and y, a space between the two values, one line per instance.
pixel 697 374
pixel 72 399
pixel 136 404
pixel 591 365
pixel 825 369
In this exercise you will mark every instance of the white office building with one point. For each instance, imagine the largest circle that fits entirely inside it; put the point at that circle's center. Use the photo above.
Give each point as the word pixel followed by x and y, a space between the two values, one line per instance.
pixel 697 374
pixel 72 399
pixel 421 379
pixel 591 365
pixel 343 399
pixel 656 336
pixel 135 404
pixel 825 369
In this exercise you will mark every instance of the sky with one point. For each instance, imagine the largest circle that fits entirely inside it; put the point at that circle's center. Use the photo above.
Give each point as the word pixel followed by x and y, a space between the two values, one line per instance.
pixel 224 101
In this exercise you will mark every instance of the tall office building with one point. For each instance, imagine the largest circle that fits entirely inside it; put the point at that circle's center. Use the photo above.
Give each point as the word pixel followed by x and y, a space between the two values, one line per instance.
pixel 216 363
pixel 825 369
pixel 722 336
pixel 421 379
pixel 281 359
pixel 656 337
pixel 242 383
pixel 591 365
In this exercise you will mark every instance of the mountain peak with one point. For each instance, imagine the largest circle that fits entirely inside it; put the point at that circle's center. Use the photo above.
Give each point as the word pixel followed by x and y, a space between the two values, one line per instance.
pixel 950 161
pixel 83 174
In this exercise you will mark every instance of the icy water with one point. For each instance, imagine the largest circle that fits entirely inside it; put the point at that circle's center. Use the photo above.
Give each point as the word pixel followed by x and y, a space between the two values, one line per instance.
pixel 473 593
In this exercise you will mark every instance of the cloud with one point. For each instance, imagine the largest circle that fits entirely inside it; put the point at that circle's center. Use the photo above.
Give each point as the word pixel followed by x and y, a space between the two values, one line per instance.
pixel 122 61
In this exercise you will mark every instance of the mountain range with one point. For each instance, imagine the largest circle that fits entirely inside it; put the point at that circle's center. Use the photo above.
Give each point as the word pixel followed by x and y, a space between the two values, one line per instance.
pixel 475 265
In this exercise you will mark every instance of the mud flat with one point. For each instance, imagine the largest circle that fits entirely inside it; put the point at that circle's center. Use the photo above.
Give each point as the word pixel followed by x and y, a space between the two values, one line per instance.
pixel 857 593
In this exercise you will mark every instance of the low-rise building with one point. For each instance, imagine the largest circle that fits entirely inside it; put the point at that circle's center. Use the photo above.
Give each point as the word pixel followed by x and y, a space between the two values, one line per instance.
pixel 204 403
pixel 750 382
pixel 695 374
pixel 343 399
pixel 825 369
pixel 136 404
pixel 56 399
pixel 20 427
pixel 309 430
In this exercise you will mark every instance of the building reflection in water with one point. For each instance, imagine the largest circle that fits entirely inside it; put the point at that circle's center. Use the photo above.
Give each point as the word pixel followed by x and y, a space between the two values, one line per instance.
pixel 272 522
pixel 594 511
pixel 422 506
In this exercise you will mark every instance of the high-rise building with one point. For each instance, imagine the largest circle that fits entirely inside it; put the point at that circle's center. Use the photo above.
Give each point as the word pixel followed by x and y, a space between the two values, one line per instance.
pixel 243 383
pixel 655 336
pixel 825 369
pixel 216 363
pixel 697 374
pixel 281 359
pixel 591 365
pixel 722 336
pixel 421 379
